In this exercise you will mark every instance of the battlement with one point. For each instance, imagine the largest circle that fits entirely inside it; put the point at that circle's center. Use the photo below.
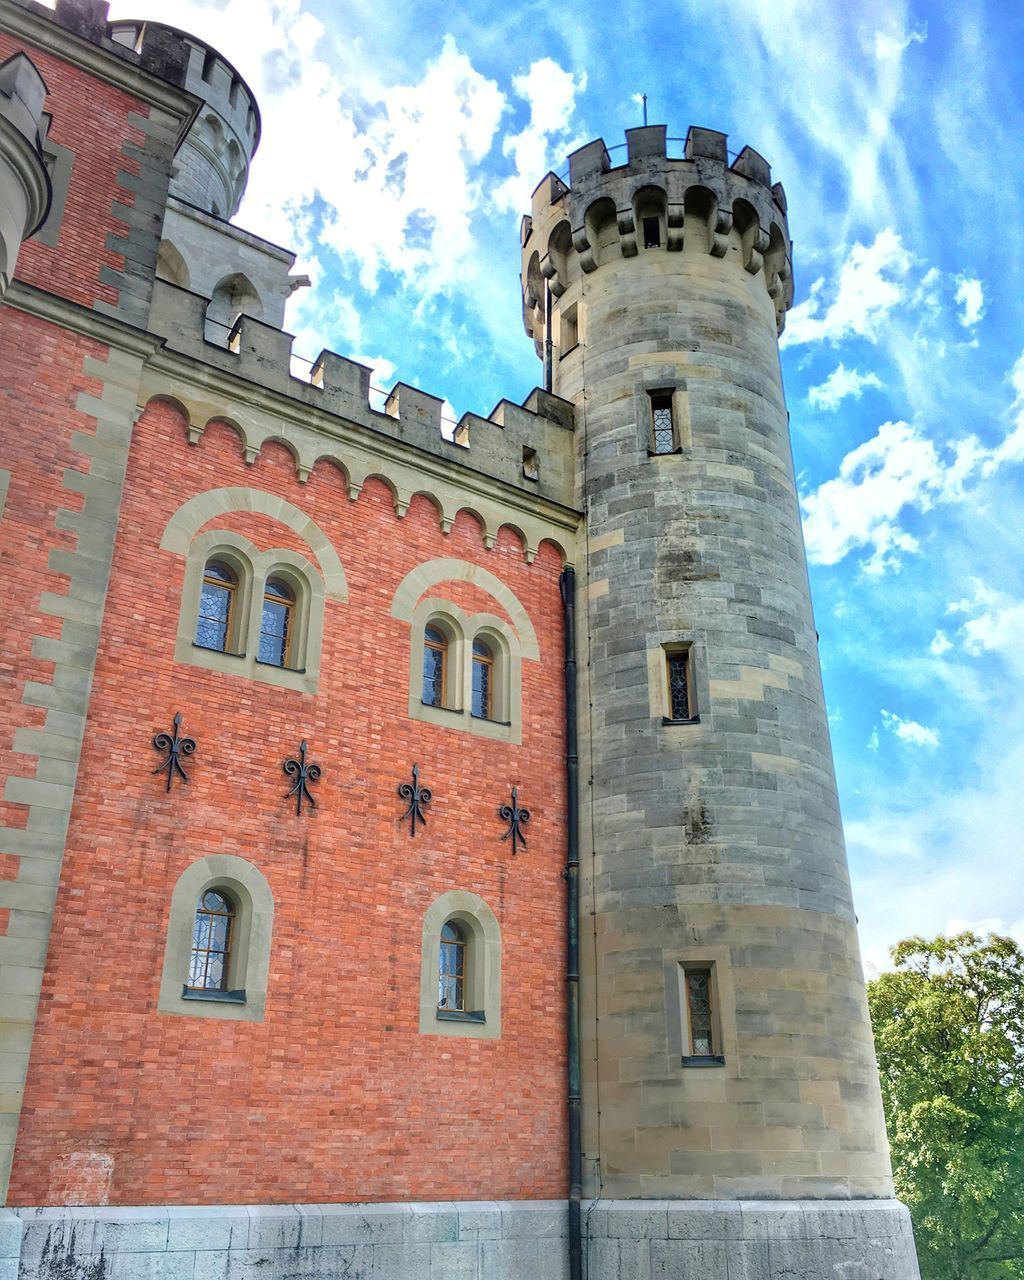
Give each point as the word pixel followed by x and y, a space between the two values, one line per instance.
pixel 526 447
pixel 213 164
pixel 655 200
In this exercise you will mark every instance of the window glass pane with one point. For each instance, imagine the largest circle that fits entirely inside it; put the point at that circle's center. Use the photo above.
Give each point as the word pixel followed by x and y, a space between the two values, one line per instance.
pixel 481 688
pixel 679 686
pixel 698 996
pixel 275 587
pixel 211 943
pixel 274 632
pixel 214 615
pixel 433 670
pixel 219 571
pixel 664 432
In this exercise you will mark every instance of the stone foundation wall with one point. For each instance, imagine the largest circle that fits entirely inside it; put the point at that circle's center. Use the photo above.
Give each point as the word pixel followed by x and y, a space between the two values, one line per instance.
pixel 525 1240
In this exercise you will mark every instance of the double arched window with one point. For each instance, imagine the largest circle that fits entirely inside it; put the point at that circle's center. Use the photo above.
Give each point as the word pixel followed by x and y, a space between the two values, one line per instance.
pixel 446 683
pixel 225 620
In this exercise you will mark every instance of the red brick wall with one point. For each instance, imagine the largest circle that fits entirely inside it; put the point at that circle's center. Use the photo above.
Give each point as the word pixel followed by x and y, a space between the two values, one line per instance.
pixel 41 381
pixel 91 118
pixel 336 1095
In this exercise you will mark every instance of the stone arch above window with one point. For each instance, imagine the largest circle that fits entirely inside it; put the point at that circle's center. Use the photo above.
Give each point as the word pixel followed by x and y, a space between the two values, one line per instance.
pixel 477 926
pixel 204 507
pixel 241 995
pixel 244 653
pixel 431 572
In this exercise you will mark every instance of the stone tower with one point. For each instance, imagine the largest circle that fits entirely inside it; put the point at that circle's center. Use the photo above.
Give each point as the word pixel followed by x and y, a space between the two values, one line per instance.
pixel 727 1054
pixel 240 273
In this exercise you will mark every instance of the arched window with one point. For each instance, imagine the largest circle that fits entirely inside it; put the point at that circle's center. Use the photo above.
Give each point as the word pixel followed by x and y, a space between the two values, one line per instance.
pixel 216 606
pixel 277 623
pixel 211 942
pixel 451 971
pixel 483 680
pixel 435 666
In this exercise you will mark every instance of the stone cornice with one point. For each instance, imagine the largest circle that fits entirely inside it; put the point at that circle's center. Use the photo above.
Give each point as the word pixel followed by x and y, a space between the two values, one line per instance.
pixel 72 315
pixel 39 28
pixel 261 415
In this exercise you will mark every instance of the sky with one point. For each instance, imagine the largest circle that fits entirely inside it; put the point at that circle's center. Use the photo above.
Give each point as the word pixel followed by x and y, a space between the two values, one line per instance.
pixel 401 143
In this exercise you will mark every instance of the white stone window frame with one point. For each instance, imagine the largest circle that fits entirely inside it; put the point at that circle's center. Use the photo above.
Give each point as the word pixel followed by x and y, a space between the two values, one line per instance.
pixel 461 629
pixel 249 958
pixel 723 1007
pixel 482 968
pixel 254 568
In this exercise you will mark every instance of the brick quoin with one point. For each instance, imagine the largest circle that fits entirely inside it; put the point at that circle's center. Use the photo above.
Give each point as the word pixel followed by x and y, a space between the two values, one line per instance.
pixel 336 1095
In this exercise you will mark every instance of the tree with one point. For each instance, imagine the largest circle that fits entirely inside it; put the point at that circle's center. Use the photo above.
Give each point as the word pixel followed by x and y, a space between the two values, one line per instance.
pixel 949 1031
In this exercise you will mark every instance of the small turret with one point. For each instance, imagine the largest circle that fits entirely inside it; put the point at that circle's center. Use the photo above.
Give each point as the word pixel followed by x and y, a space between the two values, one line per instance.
pixel 213 164
pixel 24 182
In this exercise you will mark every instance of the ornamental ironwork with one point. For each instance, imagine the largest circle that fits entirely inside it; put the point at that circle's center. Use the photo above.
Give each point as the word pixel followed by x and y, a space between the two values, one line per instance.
pixel 418 798
pixel 177 748
pixel 303 774
pixel 517 817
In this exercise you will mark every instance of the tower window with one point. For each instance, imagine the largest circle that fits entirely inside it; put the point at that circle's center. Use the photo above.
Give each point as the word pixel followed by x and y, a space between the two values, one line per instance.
pixel 663 429
pixel 700 1013
pixel 569 332
pixel 451 976
pixel 679 675
pixel 216 607
pixel 435 663
pixel 211 942
pixel 483 680
pixel 652 233
pixel 276 623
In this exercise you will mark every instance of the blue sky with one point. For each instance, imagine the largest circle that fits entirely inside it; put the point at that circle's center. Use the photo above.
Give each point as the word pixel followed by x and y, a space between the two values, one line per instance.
pixel 401 143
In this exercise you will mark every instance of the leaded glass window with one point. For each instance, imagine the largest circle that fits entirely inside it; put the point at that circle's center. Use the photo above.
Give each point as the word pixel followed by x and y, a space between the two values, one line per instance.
pixel 216 606
pixel 680 702
pixel 663 427
pixel 211 942
pixel 483 679
pixel 698 1003
pixel 451 978
pixel 276 623
pixel 435 659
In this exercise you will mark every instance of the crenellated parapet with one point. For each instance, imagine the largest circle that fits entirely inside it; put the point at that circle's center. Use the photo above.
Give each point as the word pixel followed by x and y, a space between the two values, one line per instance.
pixel 654 202
pixel 512 467
pixel 25 190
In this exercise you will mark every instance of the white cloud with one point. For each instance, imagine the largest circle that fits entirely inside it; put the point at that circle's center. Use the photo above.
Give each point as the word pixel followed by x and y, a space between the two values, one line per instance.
pixel 994 624
pixel 872 742
pixel 897 471
pixel 869 285
pixel 841 384
pixel 940 644
pixel 893 44
pixel 550 92
pixel 918 735
pixel 971 296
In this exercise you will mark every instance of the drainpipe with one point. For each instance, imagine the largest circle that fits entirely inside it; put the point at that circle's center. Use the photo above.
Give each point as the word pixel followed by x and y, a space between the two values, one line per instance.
pixel 549 351
pixel 567 585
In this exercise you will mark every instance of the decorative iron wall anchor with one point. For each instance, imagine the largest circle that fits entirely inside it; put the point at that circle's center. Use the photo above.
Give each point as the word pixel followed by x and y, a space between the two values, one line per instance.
pixel 517 818
pixel 303 774
pixel 176 747
pixel 418 797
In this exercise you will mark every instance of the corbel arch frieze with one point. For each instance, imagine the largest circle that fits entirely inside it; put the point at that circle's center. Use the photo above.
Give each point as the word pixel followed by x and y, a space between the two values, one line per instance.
pixel 358 460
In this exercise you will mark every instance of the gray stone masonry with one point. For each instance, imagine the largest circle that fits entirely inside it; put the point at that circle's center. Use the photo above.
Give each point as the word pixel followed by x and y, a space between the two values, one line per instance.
pixel 490 1240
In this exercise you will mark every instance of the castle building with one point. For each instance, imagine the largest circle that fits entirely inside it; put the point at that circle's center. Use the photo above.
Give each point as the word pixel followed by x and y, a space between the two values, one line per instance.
pixel 420 858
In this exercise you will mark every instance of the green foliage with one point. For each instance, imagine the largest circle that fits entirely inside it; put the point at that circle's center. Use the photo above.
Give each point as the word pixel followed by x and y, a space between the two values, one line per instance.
pixel 949 1031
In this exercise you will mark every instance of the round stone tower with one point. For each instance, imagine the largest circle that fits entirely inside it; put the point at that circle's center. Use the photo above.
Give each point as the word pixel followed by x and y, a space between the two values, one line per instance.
pixel 212 166
pixel 727 1054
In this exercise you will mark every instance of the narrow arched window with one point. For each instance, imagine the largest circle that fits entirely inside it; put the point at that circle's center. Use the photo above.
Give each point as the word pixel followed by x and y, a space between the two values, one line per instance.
pixel 277 623
pixel 451 977
pixel 211 942
pixel 483 680
pixel 216 606
pixel 435 666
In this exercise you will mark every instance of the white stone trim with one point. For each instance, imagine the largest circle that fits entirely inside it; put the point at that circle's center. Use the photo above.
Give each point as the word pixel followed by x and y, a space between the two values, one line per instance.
pixel 249 963
pixel 483 965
